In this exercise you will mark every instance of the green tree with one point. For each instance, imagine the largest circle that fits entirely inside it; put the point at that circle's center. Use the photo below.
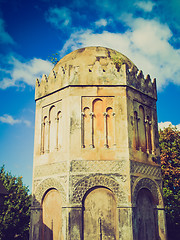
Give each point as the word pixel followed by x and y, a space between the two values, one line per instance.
pixel 54 58
pixel 169 140
pixel 15 213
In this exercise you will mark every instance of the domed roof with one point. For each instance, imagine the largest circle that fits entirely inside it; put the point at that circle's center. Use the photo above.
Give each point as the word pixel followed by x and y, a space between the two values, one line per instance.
pixel 89 55
pixel 94 66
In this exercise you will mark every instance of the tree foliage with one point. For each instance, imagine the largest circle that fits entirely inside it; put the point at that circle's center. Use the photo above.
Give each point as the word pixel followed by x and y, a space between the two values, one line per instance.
pixel 54 58
pixel 15 213
pixel 169 140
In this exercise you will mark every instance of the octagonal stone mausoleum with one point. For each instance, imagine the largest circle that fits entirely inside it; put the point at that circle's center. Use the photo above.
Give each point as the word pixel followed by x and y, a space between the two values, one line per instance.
pixel 96 170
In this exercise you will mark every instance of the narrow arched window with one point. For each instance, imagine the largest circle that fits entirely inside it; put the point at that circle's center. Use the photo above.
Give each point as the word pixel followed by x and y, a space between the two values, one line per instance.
pixel 86 127
pixel 52 129
pixel 43 127
pixel 141 128
pixel 59 130
pixel 148 134
pixel 109 127
pixel 45 134
pixel 135 132
pixel 98 123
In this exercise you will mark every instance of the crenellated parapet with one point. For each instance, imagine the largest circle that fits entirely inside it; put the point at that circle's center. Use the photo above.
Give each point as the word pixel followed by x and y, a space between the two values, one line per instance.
pixel 136 79
pixel 82 68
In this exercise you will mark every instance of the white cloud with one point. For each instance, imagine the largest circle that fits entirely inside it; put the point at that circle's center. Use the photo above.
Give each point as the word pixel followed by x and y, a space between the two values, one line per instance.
pixel 6 118
pixel 145 42
pixel 9 119
pixel 146 6
pixel 25 72
pixel 163 125
pixel 59 17
pixel 4 36
pixel 101 22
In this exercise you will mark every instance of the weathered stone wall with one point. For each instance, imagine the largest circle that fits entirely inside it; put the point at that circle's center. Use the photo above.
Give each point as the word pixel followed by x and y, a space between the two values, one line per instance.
pixel 96 155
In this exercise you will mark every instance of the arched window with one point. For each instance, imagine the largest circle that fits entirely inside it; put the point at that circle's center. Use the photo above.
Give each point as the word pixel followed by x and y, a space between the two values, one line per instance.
pixel 141 128
pixel 59 130
pixel 98 123
pixel 45 135
pixel 135 132
pixel 109 127
pixel 52 216
pixel 52 129
pixel 148 135
pixel 100 215
pixel 86 127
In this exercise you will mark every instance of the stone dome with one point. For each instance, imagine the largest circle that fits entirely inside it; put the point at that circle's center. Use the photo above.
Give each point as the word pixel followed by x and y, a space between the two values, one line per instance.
pixel 89 55
pixel 95 66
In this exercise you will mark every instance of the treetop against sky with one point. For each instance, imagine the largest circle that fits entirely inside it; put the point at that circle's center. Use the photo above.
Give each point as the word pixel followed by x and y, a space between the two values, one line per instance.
pixel 147 32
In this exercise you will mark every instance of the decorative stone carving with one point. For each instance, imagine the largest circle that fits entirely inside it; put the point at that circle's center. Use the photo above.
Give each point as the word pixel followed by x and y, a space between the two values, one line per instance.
pixel 98 166
pixel 145 183
pixel 91 181
pixel 133 179
pixel 137 167
pixel 44 186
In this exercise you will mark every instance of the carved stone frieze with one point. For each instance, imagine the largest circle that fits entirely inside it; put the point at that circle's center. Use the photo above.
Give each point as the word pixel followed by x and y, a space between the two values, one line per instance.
pixel 50 169
pixel 36 183
pixel 145 169
pixel 75 179
pixel 44 186
pixel 133 179
pixel 88 182
pixel 98 166
pixel 145 183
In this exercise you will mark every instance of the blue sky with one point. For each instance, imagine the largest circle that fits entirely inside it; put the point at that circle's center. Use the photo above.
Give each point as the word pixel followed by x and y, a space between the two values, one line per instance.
pixel 147 32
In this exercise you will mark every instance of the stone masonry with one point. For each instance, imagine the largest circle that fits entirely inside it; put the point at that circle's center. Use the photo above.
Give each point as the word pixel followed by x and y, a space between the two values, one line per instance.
pixel 96 170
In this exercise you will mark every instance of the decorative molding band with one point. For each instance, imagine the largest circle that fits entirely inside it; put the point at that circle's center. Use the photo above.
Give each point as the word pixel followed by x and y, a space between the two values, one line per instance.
pixel 46 185
pixel 98 180
pixel 98 166
pixel 145 169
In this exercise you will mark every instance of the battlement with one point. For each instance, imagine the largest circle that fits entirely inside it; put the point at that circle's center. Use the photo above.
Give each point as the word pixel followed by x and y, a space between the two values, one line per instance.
pixel 136 79
pixel 92 67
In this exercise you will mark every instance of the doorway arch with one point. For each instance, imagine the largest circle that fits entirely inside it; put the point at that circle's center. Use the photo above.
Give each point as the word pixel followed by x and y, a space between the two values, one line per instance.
pixel 99 215
pixel 52 215
pixel 145 216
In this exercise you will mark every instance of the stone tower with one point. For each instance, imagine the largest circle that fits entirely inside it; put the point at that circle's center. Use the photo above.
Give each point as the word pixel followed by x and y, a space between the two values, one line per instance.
pixel 96 171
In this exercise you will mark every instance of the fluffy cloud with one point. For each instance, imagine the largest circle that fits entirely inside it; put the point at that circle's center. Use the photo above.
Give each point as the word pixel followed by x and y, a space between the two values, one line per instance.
pixel 59 17
pixel 24 72
pixel 163 125
pixel 4 36
pixel 101 22
pixel 10 120
pixel 145 6
pixel 145 42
